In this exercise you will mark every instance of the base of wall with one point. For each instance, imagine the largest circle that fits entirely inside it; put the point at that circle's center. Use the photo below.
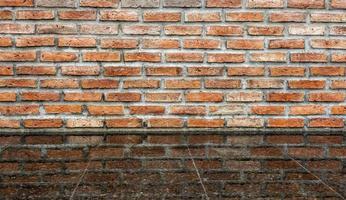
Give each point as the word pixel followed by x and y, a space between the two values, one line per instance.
pixel 173 164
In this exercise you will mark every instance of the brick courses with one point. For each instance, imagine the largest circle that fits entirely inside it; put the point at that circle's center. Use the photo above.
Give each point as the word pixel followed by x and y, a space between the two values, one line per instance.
pixel 149 78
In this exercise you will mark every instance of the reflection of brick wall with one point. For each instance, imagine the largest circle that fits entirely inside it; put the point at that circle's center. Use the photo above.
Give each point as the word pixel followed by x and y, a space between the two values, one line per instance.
pixel 157 165
pixel 74 66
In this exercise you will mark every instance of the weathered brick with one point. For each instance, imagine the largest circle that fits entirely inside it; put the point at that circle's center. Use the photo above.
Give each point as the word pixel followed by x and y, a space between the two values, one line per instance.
pixel 265 3
pixel 58 56
pixel 99 3
pixel 17 56
pixel 305 4
pixel 119 15
pixel 202 16
pixel 223 3
pixel 162 16
pixel 17 3
pixel 56 3
pixel 36 70
pixel 34 14
pixel 182 3
pixel 140 3
pixel 34 41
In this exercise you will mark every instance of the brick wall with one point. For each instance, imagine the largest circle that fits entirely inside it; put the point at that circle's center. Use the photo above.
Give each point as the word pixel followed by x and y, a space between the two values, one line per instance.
pixel 122 97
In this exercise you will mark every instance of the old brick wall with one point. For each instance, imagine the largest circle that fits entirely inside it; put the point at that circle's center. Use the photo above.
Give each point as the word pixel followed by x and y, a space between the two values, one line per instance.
pixel 188 98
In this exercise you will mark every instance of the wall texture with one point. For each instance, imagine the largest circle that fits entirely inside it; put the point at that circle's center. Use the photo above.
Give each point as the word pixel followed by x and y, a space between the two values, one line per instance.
pixel 172 63
pixel 120 99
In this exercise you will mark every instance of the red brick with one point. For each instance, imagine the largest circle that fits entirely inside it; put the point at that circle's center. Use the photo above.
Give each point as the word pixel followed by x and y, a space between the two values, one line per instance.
pixel 244 97
pixel 23 109
pixel 268 110
pixel 18 83
pixel 124 123
pixel 202 44
pixel 182 3
pixel 327 71
pixel 123 97
pixel 59 83
pixel 4 123
pixel 224 30
pixel 226 57
pixel 122 71
pixel 43 123
pixel 306 84
pixel 162 97
pixel 76 42
pixel 245 44
pixel 105 110
pixel 268 57
pixel 188 110
pixel 141 84
pixel 99 3
pixel 17 3
pixel 119 15
pixel 287 71
pixel 184 57
pixel 77 15
pixel 306 30
pixel 6 70
pixel 144 110
pixel 40 96
pixel 12 28
pixel 223 3
pixel 141 29
pixel 34 14
pixel 328 43
pixel 202 16
pixel 160 43
pixel 101 56
pixel 338 110
pixel 165 123
pixel 204 97
pixel 287 44
pixel 5 42
pixel 265 83
pixel 5 14
pixel 327 97
pixel 151 16
pixel 80 70
pixel 245 71
pixel 266 30
pixel 142 57
pixel 285 96
pixel 7 96
pixel 285 123
pixel 205 123
pixel 99 83
pixel 163 71
pixel 58 56
pixel 63 109
pixel 338 4
pixel 182 84
pixel 307 110
pixel 287 17
pixel 36 70
pixel 17 56
pixel 265 3
pixel 222 84
pixel 82 123
pixel 245 16
pixel 119 43
pixel 326 122
pixel 82 96
pixel 305 4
